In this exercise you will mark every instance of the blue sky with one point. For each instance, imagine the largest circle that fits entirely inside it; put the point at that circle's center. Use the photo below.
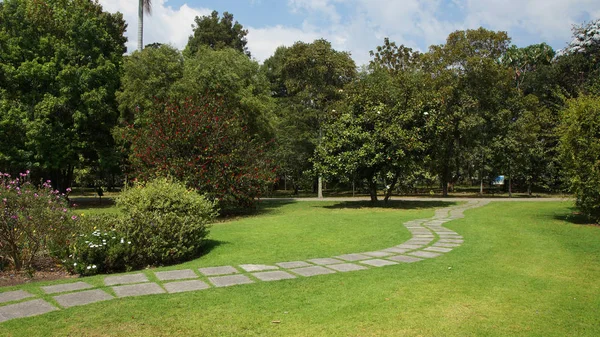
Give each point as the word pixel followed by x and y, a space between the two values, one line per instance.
pixel 358 26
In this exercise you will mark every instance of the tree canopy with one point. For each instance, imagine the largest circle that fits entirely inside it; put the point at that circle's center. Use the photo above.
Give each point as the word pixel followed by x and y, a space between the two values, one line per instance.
pixel 217 33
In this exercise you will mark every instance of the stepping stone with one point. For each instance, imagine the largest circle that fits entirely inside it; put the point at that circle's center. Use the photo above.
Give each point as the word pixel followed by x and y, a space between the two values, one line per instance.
pixel 378 262
pixel 61 288
pixel 226 281
pixel 293 264
pixel 82 298
pixel 378 254
pixel 175 275
pixel 257 267
pixel 451 241
pixel 312 271
pixel 125 279
pixel 138 290
pixel 14 295
pixel 353 257
pixel 428 255
pixel 25 309
pixel 409 246
pixel 344 267
pixel 424 236
pixel 396 250
pixel 438 249
pixel 179 287
pixel 325 261
pixel 273 275
pixel 417 241
pixel 404 258
pixel 225 270
pixel 447 245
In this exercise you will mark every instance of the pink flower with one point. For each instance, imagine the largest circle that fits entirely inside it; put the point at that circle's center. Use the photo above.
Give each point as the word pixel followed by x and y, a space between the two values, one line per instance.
pixel 68 190
pixel 74 217
pixel 65 210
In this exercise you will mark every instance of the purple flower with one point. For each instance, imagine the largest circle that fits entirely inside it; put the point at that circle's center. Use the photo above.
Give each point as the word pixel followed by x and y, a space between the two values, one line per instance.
pixel 13 217
pixel 64 210
pixel 74 217
pixel 68 190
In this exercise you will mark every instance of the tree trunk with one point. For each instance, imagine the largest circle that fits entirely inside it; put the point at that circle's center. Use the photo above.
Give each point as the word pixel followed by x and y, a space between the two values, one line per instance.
pixel 140 25
pixel 373 189
pixel 529 188
pixel 389 191
pixel 320 188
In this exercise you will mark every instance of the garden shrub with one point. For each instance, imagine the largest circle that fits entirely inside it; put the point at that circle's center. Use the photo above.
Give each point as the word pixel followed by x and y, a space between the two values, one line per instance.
pixel 162 223
pixel 33 219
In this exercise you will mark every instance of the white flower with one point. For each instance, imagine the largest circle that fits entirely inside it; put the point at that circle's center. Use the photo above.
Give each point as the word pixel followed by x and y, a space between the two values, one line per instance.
pixel 89 267
pixel 122 240
pixel 128 242
pixel 94 266
pixel 75 264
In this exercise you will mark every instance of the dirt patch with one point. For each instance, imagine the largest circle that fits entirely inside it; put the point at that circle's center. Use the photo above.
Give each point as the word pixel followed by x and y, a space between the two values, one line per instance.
pixel 46 269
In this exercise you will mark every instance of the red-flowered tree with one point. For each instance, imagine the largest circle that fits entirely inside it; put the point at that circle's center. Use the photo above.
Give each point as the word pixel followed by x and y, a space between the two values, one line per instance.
pixel 204 145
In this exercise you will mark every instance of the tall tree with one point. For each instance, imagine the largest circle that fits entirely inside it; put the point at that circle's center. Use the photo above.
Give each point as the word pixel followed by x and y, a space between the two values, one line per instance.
pixel 217 33
pixel 143 6
pixel 306 79
pixel 60 66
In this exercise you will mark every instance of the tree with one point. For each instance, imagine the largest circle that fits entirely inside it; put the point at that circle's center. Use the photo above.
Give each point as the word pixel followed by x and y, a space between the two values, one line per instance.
pixel 143 6
pixel 148 75
pixel 580 151
pixel 237 79
pixel 467 109
pixel 60 70
pixel 376 131
pixel 205 145
pixel 306 79
pixel 217 33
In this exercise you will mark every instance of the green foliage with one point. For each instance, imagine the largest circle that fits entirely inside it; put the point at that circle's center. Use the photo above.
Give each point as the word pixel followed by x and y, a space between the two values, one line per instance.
pixel 217 33
pixel 163 223
pixel 32 219
pixel 580 152
pixel 58 76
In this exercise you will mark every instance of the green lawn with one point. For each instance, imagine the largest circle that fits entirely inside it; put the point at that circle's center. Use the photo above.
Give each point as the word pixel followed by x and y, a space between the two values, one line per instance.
pixel 523 270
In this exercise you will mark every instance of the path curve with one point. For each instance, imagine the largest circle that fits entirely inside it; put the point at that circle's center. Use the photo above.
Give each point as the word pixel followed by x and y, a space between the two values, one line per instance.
pixel 429 240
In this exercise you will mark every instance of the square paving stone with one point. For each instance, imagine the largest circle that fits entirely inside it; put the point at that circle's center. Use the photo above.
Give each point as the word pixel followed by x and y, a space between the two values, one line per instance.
pixel 14 295
pixel 325 261
pixel 378 254
pixel 396 250
pixel 438 249
pixel 226 281
pixel 25 309
pixel 273 275
pixel 175 274
pixel 182 286
pixel 225 270
pixel 344 267
pixel 378 262
pixel 257 267
pixel 428 255
pixel 447 245
pixel 408 246
pixel 138 289
pixel 82 298
pixel 404 258
pixel 353 257
pixel 313 271
pixel 293 264
pixel 125 279
pixel 61 288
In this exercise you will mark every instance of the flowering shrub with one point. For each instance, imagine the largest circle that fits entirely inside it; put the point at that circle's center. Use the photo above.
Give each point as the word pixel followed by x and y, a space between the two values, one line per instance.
pixel 32 219
pixel 101 249
pixel 162 223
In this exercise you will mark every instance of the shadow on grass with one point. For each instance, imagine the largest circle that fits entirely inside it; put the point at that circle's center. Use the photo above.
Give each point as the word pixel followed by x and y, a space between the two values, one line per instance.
pixel 392 204
pixel 574 217
pixel 263 207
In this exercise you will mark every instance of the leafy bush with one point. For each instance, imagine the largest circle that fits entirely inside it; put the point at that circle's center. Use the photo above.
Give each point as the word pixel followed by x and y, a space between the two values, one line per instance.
pixel 163 222
pixel 32 219
pixel 203 144
pixel 580 150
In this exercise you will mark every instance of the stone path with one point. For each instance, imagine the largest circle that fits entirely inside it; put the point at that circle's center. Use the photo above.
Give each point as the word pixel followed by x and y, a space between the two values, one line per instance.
pixel 429 240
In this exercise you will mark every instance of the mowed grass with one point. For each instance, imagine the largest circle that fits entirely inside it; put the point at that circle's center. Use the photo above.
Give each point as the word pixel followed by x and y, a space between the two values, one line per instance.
pixel 523 270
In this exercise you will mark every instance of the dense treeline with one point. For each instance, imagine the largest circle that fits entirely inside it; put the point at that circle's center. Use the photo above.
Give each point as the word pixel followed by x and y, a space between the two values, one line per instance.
pixel 75 110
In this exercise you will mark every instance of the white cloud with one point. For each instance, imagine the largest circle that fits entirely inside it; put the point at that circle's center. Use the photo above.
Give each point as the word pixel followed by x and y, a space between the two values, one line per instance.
pixel 165 25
